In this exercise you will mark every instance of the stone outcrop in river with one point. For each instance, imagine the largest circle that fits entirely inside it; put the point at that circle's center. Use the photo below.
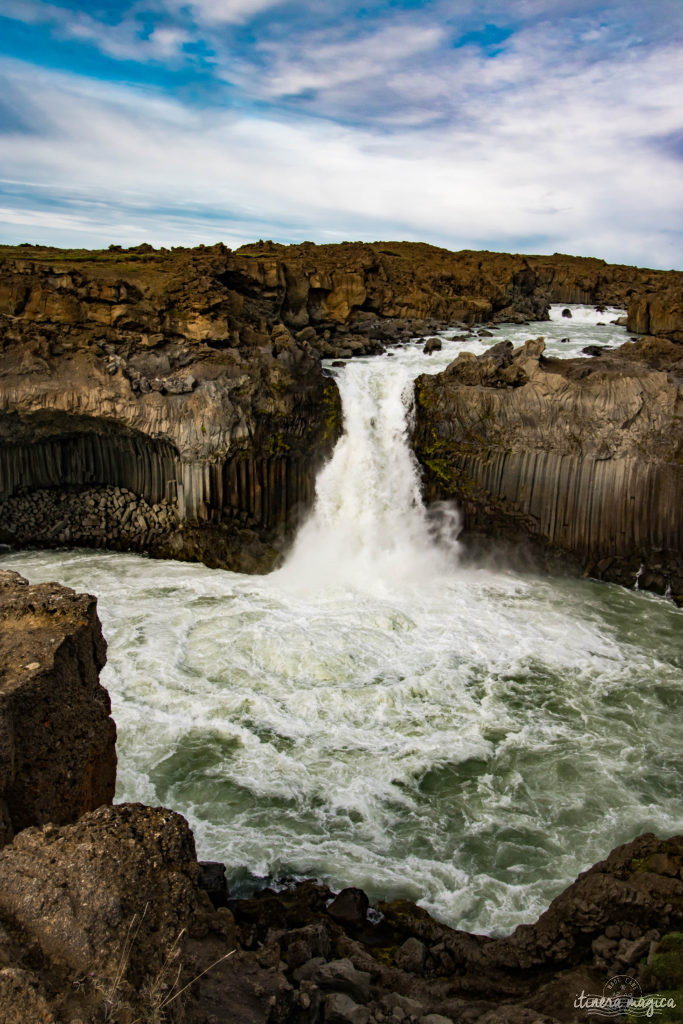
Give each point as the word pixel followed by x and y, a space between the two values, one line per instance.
pixel 173 401
pixel 109 918
pixel 583 456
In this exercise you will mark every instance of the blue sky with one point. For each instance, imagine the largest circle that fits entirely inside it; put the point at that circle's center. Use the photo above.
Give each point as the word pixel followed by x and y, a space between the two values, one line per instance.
pixel 532 126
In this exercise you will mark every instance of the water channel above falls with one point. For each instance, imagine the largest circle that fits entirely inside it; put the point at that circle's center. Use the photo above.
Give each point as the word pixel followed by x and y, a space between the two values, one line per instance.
pixel 377 714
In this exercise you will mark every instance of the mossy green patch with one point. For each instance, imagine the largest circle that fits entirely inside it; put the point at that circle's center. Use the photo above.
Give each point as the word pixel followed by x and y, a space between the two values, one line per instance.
pixel 276 445
pixel 667 963
pixel 662 1011
pixel 664 974
pixel 332 420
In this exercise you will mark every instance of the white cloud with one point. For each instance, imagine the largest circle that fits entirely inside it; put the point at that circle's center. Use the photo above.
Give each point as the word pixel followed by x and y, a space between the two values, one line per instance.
pixel 124 40
pixel 224 11
pixel 313 62
pixel 535 153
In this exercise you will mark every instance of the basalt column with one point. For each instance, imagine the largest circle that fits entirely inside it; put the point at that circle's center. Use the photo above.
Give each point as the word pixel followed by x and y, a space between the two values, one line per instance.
pixel 85 481
pixel 580 456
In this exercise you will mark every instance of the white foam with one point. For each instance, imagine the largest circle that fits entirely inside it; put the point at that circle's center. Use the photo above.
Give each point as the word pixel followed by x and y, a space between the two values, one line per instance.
pixel 375 714
pixel 583 314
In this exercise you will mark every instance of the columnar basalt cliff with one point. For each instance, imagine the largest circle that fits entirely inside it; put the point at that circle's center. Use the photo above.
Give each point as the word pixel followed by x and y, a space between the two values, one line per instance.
pixel 111 917
pixel 164 410
pixel 583 456
pixel 57 741
pixel 173 401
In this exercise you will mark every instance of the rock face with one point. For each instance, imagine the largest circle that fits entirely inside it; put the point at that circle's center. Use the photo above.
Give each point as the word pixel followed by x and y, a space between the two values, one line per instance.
pixel 71 890
pixel 103 920
pixel 191 379
pixel 156 378
pixel 659 312
pixel 345 285
pixel 57 741
pixel 583 456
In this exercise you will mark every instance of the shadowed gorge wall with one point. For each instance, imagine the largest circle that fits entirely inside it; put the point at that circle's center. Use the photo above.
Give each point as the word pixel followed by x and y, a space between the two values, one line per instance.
pixel 98 483
pixel 88 453
pixel 596 508
pixel 268 491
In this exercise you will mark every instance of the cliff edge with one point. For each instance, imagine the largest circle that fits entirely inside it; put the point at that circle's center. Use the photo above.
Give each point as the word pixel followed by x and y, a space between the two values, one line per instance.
pixel 148 402
pixel 174 402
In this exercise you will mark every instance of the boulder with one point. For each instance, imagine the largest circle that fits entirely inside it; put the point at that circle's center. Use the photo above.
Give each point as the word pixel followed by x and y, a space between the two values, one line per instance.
pixel 111 893
pixel 411 956
pixel 342 976
pixel 341 1009
pixel 349 908
pixel 432 345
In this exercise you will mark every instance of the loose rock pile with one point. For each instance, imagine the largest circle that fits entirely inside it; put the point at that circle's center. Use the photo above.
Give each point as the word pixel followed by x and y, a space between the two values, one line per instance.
pixel 95 516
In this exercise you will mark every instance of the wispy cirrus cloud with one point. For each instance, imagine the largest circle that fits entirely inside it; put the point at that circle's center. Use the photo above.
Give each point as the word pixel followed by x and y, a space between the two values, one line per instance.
pixel 214 12
pixel 127 39
pixel 314 62
pixel 541 125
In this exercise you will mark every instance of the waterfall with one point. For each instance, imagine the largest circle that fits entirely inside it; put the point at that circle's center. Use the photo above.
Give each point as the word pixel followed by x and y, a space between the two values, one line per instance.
pixel 377 714
pixel 369 527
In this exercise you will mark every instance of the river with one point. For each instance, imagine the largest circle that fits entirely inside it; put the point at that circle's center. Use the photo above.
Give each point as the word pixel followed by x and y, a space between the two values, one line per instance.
pixel 377 713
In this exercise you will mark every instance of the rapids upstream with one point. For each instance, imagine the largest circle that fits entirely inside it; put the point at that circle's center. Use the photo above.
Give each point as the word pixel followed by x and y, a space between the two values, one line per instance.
pixel 376 714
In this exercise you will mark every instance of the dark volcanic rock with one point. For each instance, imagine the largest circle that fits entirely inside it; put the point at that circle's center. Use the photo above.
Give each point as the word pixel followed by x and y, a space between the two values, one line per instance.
pixel 581 456
pixel 432 345
pixel 82 891
pixel 213 882
pixel 349 908
pixel 57 741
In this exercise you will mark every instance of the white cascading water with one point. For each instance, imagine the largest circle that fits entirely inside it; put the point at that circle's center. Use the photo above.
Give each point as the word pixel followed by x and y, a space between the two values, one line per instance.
pixel 370 528
pixel 376 714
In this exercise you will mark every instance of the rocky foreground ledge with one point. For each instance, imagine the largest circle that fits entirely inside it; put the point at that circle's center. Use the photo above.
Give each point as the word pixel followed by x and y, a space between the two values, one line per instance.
pixel 107 915
pixel 173 402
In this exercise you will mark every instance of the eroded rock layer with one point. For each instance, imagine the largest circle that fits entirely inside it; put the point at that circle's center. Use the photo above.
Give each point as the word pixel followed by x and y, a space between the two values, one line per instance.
pixel 57 741
pixel 583 456
pixel 149 377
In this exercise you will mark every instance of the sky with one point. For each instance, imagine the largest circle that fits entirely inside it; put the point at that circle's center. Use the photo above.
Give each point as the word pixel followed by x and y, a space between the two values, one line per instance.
pixel 533 126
